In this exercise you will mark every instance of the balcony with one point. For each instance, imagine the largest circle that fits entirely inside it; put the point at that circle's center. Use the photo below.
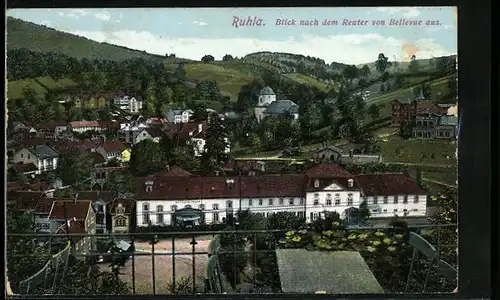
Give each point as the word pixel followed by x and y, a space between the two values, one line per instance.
pixel 394 259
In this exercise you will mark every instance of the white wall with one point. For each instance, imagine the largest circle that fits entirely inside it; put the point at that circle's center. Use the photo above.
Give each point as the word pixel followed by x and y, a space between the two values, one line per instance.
pixel 332 194
pixel 266 99
pixel 388 210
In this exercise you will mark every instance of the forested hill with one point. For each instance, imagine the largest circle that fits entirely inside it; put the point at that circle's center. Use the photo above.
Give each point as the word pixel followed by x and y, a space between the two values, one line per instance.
pixel 39 38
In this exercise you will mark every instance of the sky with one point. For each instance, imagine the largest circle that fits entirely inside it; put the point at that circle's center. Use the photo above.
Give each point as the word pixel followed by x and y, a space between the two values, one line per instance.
pixel 193 32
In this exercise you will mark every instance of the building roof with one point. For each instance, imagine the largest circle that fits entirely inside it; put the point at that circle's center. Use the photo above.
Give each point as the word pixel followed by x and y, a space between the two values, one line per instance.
pixel 448 121
pixel 388 184
pixel 267 91
pixel 52 125
pixel 84 124
pixel 43 151
pixel 97 158
pixel 25 199
pixel 191 127
pixel 78 209
pixel 155 132
pixel 113 146
pixel 174 171
pixel 75 226
pixel 174 188
pixel 23 168
pixel 360 159
pixel 342 182
pixel 282 106
pixel 128 204
pixel 106 196
pixel 67 145
pixel 328 170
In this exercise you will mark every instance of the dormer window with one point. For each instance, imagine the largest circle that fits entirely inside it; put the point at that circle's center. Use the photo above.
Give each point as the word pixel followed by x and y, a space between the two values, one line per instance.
pixel 145 206
pixel 230 184
pixel 316 183
pixel 149 188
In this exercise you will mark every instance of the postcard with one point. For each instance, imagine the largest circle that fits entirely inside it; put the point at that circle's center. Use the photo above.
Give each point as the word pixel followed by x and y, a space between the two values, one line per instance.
pixel 232 150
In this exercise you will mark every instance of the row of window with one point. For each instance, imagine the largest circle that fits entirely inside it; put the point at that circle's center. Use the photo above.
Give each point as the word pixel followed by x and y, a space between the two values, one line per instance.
pixel 281 201
pixel 159 208
pixel 394 210
pixel 146 218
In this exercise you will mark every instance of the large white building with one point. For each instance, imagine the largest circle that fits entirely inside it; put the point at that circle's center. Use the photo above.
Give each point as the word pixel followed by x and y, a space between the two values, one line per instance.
pixel 164 200
pixel 43 157
pixel 128 104
pixel 268 105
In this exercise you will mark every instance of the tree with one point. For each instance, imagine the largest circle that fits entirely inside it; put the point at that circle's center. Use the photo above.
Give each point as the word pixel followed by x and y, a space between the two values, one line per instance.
pixel 217 140
pixel 207 58
pixel 199 113
pixel 405 130
pixel 382 88
pixel 227 57
pixel 147 157
pixel 414 64
pixel 425 89
pixel 350 72
pixel 385 76
pixel 374 111
pixel 382 63
pixel 180 72
pixel 75 167
pixel 364 212
pixel 365 71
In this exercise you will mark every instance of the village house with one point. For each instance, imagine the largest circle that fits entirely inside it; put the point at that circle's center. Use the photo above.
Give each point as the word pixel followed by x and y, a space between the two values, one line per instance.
pixel 151 133
pixel 162 200
pixel 430 125
pixel 177 116
pixel 129 131
pixel 113 150
pixel 194 135
pixel 43 157
pixel 128 104
pixel 53 130
pixel 28 170
pixel 74 216
pixel 122 215
pixel 83 126
pixel 268 105
pixel 100 201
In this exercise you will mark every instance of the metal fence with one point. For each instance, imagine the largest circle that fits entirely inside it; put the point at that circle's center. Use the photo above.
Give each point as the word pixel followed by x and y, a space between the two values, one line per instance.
pixel 49 277
pixel 175 262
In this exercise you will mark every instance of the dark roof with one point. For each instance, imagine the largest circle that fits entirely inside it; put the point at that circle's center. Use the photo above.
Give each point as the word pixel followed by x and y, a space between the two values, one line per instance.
pixel 43 151
pixel 174 171
pixel 128 204
pixel 328 170
pixel 106 196
pixel 52 125
pixel 25 199
pixel 22 168
pixel 217 187
pixel 448 121
pixel 67 145
pixel 74 227
pixel 113 146
pixel 97 158
pixel 267 91
pixel 44 205
pixel 191 127
pixel 281 106
pixel 324 183
pixel 155 132
pixel 388 184
pixel 78 209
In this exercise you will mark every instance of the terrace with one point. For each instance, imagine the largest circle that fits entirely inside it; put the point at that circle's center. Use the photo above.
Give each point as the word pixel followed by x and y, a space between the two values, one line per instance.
pixel 416 259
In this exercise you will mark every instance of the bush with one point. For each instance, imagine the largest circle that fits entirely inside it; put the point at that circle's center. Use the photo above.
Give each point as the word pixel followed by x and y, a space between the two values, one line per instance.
pixel 183 286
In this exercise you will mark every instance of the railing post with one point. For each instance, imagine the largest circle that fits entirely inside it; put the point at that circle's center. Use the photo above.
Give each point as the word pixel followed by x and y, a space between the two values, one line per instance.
pixel 153 263
pixel 173 264
pixel 254 258
pixel 193 245
pixel 133 264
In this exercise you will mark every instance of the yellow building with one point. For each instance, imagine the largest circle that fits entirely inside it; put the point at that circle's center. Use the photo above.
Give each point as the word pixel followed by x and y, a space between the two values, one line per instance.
pixel 101 102
pixel 126 155
pixel 78 103
pixel 91 103
pixel 121 213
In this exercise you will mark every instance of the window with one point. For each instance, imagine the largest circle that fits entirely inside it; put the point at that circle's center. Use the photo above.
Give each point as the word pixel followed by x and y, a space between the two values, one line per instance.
pixel 415 209
pixel 386 200
pixel 250 202
pixel 173 207
pixel 159 208
pixel 301 214
pixel 315 201
pixel 316 183
pixel 349 199
pixel 202 206
pixel 187 206
pixel 29 156
pixel 385 210
pixel 415 199
pixel 301 201
pixel 405 199
pixel 395 199
pixel 149 189
pixel 260 201
pixel 216 217
pixel 290 201
pixel 375 200
pixel 215 206
pixel 337 200
pixel 405 210
pixel 328 201
pixel 395 210
pixel 271 201
pixel 281 201
pixel 145 218
pixel 22 155
pixel 145 206
pixel 159 218
pixel 229 204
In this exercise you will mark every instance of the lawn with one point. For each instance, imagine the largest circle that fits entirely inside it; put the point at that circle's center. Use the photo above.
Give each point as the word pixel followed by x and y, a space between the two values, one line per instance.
pixel 396 149
pixel 304 79
pixel 448 176
pixel 15 89
pixel 52 84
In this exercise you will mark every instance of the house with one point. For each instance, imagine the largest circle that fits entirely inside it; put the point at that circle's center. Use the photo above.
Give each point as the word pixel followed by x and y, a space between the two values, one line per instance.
pixel 101 173
pixel 323 188
pixel 447 127
pixel 151 133
pixel 128 104
pixel 100 201
pixel 268 105
pixel 42 156
pixel 407 110
pixel 52 130
pixel 98 159
pixel 194 134
pixel 129 131
pixel 448 109
pixel 177 116
pixel 392 194
pixel 24 201
pixel 430 125
pixel 111 150
pixel 122 213
pixel 25 169
pixel 328 154
pixel 174 171
pixel 74 216
pixel 83 126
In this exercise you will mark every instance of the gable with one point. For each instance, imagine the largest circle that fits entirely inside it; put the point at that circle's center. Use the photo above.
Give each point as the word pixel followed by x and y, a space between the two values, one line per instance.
pixel 333 187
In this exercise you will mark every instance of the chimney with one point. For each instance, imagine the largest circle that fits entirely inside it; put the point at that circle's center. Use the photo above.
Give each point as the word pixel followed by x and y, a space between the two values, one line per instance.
pixel 350 183
pixel 167 167
pixel 200 127
pixel 76 197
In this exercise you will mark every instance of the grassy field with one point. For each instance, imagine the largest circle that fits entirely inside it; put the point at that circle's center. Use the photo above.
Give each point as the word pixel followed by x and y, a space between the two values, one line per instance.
pixel 396 149
pixel 301 78
pixel 16 88
pixel 448 176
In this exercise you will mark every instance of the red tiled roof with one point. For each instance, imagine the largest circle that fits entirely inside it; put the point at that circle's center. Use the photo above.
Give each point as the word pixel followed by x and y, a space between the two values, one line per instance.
pixel 84 124
pixel 74 227
pixel 30 141
pixel 106 196
pixel 327 170
pixel 113 146
pixel 216 187
pixel 21 168
pixel 25 199
pixel 128 204
pixel 78 209
pixel 388 184
pixel 174 171
pixel 66 145
pixel 44 205
pixel 342 182
pixel 97 158
pixel 52 125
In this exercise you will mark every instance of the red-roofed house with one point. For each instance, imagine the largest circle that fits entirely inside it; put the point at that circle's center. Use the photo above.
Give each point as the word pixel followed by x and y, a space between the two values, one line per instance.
pixel 82 126
pixel 393 194
pixel 52 129
pixel 112 150
pixel 25 169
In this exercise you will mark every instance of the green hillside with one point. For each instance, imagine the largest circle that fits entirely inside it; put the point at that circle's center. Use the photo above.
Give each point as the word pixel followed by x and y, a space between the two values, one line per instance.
pixel 40 85
pixel 22 34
